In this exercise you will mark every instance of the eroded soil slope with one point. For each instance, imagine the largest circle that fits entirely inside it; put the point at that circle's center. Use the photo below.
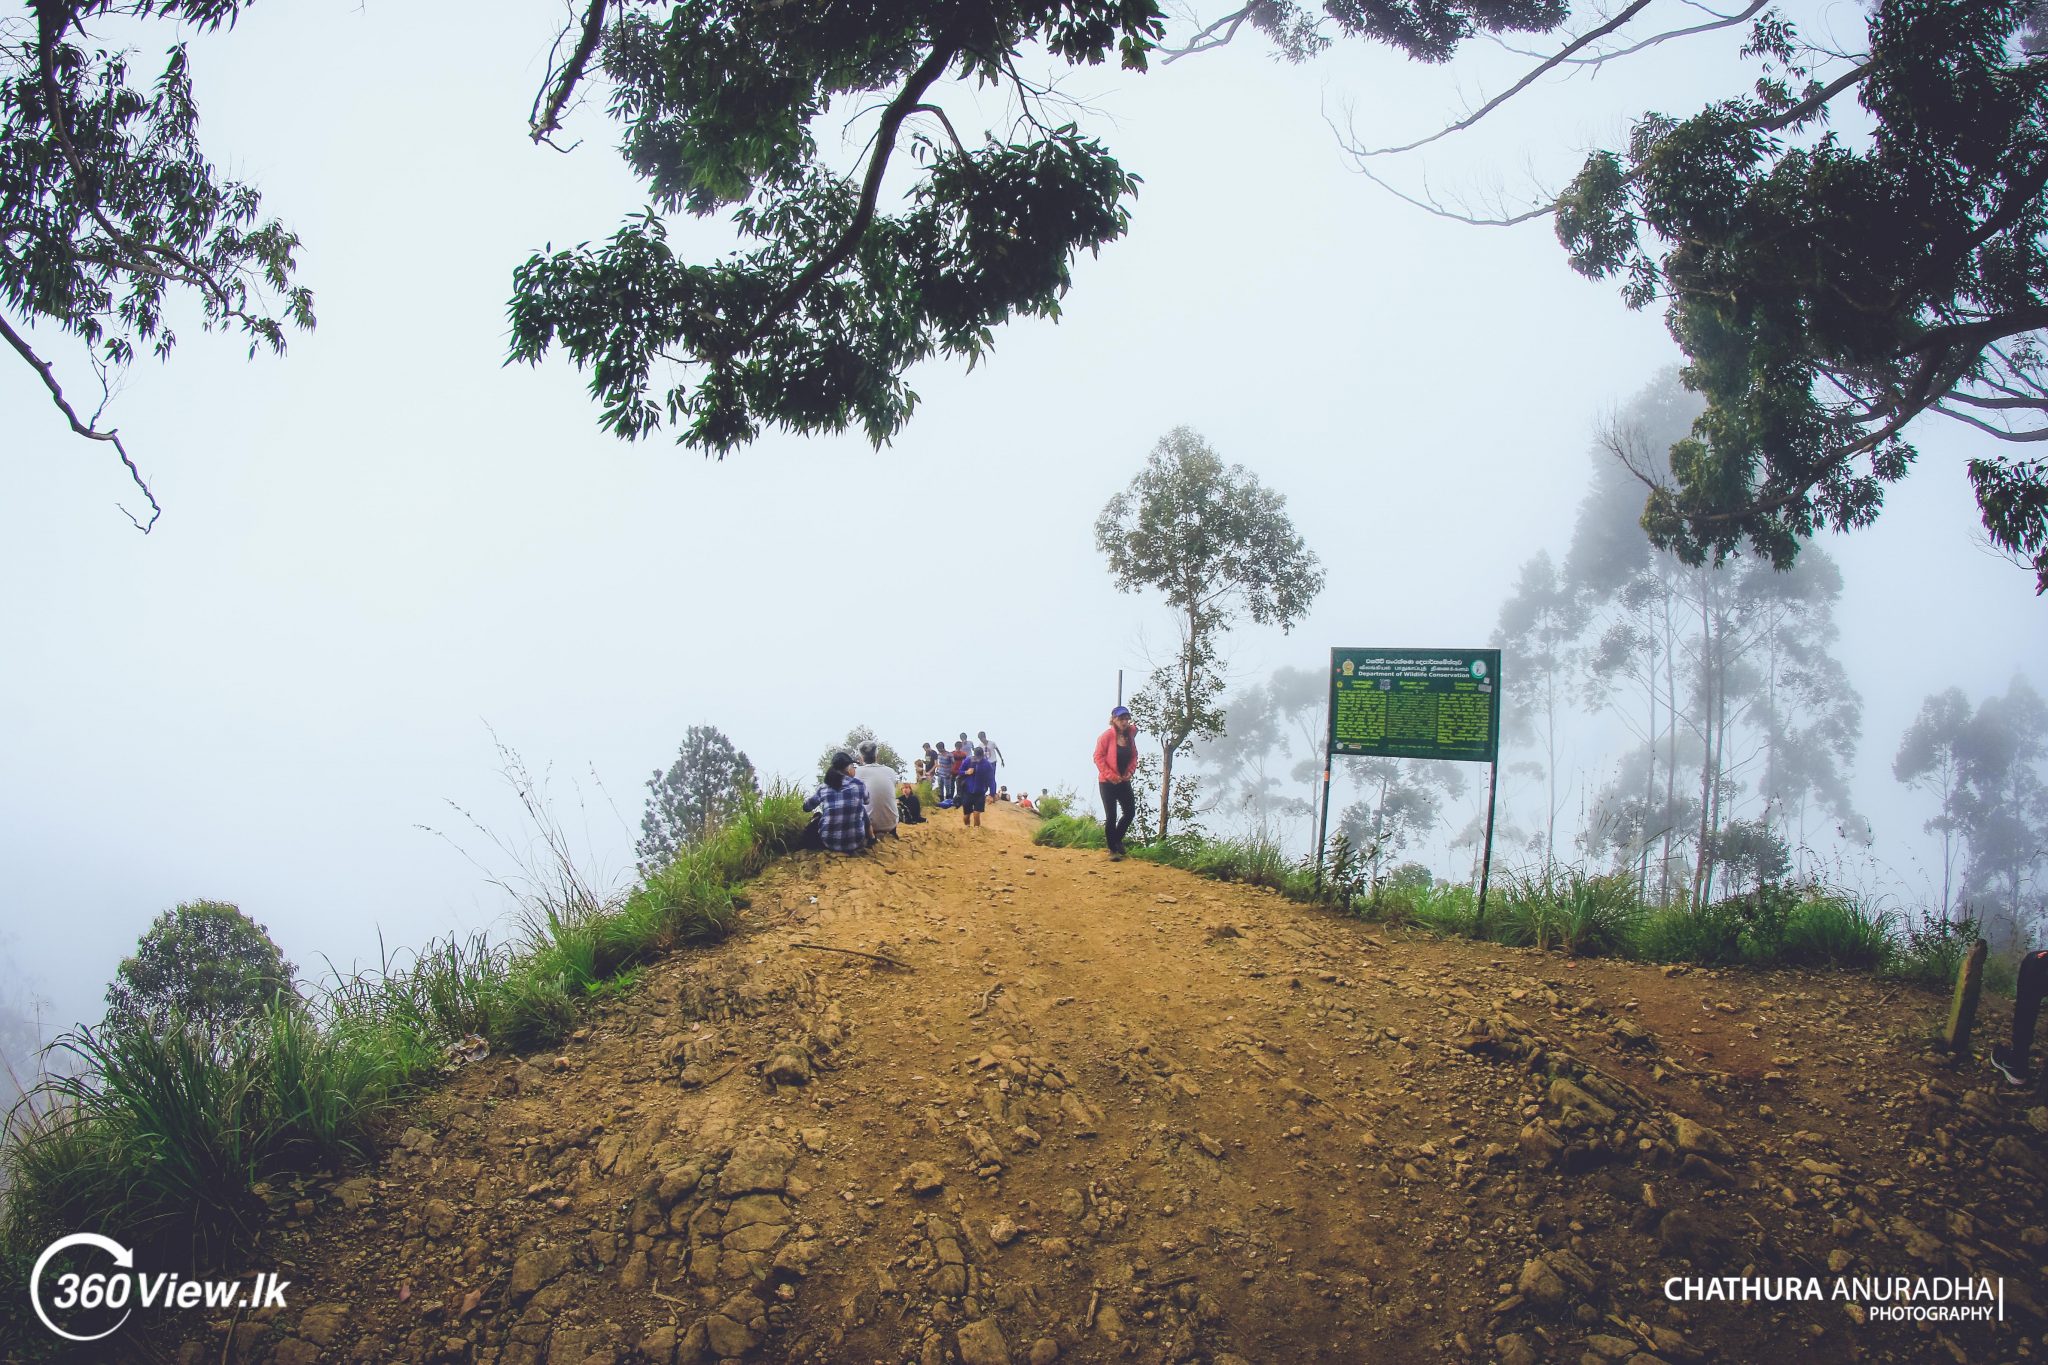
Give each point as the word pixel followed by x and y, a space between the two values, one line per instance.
pixel 1107 1112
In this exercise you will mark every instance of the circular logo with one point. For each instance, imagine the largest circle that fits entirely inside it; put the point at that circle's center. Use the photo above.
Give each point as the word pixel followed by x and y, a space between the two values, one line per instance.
pixel 97 1291
pixel 1479 668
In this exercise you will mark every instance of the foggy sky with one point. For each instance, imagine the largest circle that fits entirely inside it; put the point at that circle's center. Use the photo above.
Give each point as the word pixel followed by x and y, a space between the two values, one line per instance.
pixel 387 541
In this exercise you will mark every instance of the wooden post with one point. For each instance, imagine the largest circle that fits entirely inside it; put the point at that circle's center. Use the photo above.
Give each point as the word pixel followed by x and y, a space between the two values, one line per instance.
pixel 1962 1011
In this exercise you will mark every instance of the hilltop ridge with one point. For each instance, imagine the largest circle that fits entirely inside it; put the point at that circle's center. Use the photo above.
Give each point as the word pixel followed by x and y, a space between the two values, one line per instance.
pixel 968 1099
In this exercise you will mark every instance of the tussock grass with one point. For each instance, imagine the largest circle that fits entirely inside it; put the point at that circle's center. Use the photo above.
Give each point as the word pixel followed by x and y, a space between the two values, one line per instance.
pixel 166 1136
pixel 1070 831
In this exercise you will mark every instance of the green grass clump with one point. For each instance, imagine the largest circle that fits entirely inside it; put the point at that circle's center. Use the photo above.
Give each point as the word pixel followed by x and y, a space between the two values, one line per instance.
pixel 1826 930
pixel 1055 805
pixel 165 1135
pixel 1071 831
pixel 1442 906
pixel 1585 915
pixel 1709 935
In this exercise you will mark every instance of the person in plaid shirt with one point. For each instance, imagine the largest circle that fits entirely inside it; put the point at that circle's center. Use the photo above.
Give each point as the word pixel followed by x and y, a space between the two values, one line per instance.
pixel 841 803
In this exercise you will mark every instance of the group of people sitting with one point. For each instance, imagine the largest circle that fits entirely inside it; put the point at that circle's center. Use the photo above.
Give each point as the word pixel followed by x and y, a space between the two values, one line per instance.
pixel 860 802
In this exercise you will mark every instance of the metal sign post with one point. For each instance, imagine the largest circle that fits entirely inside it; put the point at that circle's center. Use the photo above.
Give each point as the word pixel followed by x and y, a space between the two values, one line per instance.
pixel 1486 862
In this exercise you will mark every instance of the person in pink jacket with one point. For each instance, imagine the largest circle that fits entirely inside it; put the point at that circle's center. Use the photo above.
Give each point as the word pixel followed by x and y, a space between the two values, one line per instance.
pixel 1116 758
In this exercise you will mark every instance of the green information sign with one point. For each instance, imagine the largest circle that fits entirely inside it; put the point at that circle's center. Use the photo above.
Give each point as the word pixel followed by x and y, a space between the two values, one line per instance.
pixel 1415 703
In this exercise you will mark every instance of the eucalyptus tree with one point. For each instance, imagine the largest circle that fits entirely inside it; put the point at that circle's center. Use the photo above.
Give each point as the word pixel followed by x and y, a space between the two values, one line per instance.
pixel 1930 759
pixel 1987 766
pixel 1540 628
pixel 1267 762
pixel 1220 547
pixel 1727 667
pixel 1402 801
pixel 1827 289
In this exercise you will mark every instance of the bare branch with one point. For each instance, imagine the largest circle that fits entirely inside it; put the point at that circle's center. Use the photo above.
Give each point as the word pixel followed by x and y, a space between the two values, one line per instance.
pixel 1529 78
pixel 1431 206
pixel 1719 21
pixel 85 429
pixel 1214 36
pixel 2002 433
pixel 940 114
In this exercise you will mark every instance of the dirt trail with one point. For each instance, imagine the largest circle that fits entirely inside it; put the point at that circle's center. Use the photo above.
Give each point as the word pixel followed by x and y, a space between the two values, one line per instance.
pixel 1113 1111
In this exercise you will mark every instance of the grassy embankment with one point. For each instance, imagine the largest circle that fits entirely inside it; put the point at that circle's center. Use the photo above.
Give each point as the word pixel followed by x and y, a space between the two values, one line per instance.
pixel 1583 913
pixel 173 1139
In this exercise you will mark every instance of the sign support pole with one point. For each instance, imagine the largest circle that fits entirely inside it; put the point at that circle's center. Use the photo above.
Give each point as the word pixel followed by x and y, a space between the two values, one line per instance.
pixel 1486 863
pixel 1323 823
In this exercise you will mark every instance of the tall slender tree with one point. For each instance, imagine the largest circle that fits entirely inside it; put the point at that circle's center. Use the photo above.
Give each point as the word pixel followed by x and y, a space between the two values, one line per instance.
pixel 1930 759
pixel 1220 546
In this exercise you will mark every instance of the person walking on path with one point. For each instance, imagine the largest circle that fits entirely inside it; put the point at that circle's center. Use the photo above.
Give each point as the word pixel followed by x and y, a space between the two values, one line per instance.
pixel 993 749
pixel 841 803
pixel 1116 758
pixel 880 780
pixel 944 764
pixel 977 779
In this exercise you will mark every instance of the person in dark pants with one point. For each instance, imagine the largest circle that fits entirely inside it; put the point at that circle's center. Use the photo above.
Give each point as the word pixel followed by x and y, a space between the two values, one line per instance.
pixel 2014 1062
pixel 1116 758
pixel 975 780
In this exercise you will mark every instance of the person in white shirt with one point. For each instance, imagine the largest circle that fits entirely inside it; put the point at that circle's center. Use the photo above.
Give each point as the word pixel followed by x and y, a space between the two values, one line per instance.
pixel 881 782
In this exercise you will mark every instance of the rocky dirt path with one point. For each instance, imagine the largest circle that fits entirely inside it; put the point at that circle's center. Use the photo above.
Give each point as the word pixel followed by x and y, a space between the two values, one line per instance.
pixel 1081 1111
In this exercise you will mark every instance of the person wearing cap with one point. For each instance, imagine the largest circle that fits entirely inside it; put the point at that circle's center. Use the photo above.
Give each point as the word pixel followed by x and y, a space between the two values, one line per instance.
pixel 841 802
pixel 977 779
pixel 880 780
pixel 1116 758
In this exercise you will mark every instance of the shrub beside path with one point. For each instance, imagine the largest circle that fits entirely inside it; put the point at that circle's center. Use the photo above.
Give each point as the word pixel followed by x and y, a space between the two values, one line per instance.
pixel 1113 1111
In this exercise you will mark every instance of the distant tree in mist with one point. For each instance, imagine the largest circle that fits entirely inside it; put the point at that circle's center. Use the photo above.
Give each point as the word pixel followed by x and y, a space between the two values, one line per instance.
pixel 1930 760
pixel 1540 628
pixel 1723 674
pixel 1267 762
pixel 1220 546
pixel 204 963
pixel 1987 767
pixel 1402 801
pixel 706 783
pixel 885 753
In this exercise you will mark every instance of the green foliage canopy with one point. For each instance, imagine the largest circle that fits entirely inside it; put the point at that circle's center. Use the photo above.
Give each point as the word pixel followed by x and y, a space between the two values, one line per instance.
pixel 1829 289
pixel 110 211
pixel 813 325
pixel 205 963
